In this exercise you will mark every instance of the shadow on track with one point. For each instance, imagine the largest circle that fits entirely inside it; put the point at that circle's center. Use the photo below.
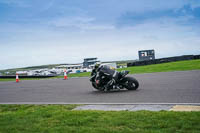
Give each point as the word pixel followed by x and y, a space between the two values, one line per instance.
pixel 111 92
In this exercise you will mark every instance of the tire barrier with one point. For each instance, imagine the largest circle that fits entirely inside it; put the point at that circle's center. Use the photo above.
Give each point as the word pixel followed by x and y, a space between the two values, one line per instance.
pixel 163 60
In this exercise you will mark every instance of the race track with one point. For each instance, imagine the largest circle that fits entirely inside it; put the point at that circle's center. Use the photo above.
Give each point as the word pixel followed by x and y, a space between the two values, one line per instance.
pixel 164 87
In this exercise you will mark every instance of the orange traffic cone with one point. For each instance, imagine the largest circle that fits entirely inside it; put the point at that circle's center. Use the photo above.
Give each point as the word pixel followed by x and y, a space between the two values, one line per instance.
pixel 65 75
pixel 17 78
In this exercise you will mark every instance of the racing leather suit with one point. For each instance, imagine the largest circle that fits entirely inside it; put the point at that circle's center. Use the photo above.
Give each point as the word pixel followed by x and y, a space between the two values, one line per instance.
pixel 111 74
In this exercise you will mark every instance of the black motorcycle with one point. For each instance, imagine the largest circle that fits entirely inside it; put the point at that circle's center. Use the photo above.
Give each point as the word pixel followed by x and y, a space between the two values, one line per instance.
pixel 121 80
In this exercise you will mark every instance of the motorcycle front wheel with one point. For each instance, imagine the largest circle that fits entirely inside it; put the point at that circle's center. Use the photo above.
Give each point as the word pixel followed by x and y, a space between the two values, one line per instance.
pixel 98 88
pixel 130 83
pixel 94 85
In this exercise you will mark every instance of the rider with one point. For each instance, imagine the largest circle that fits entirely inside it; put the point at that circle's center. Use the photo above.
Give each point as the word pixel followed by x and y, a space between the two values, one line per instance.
pixel 105 70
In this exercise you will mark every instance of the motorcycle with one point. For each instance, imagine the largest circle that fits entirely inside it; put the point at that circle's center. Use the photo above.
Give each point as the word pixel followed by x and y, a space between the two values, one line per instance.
pixel 121 81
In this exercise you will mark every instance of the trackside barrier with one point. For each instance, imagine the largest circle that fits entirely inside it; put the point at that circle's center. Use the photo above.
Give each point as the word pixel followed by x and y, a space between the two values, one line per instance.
pixel 163 60
pixel 23 76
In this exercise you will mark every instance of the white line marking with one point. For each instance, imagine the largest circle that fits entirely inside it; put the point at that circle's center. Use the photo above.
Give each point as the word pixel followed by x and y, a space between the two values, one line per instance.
pixel 101 103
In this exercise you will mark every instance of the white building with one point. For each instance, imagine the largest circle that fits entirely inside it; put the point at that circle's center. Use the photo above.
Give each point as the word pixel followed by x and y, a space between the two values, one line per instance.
pixel 44 72
pixel 22 72
pixel 71 66
pixel 74 68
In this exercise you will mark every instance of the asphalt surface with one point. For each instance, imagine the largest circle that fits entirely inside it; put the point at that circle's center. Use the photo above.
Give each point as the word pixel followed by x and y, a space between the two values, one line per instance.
pixel 164 87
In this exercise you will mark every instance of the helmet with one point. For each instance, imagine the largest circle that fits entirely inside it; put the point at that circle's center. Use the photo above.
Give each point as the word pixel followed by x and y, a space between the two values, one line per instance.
pixel 97 65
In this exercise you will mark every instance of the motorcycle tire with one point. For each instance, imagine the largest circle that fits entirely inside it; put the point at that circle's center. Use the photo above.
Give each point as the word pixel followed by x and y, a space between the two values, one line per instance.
pixel 93 85
pixel 98 88
pixel 130 83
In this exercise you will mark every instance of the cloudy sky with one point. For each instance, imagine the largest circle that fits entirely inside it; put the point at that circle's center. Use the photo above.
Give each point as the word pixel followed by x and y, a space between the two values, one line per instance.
pixel 38 32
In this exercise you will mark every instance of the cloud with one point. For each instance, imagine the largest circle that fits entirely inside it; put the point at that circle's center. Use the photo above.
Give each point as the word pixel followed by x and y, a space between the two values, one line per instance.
pixel 48 5
pixel 72 21
pixel 18 3
pixel 81 23
pixel 183 15
pixel 63 31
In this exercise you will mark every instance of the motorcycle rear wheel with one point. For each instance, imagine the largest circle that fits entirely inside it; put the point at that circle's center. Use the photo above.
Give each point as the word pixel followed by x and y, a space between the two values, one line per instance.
pixel 130 83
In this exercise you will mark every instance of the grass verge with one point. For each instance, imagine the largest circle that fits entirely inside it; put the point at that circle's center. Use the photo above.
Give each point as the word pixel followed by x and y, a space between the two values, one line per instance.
pixel 164 67
pixel 60 118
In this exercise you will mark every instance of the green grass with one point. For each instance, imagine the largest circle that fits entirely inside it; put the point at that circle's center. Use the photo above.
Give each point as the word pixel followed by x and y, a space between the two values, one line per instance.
pixel 61 119
pixel 164 67
pixel 84 74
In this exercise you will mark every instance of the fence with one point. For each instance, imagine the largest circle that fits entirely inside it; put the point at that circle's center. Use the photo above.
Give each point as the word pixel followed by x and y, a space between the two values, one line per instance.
pixel 164 60
pixel 13 76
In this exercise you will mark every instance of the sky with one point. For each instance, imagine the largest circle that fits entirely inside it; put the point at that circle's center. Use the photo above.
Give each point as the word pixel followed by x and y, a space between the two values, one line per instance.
pixel 40 32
